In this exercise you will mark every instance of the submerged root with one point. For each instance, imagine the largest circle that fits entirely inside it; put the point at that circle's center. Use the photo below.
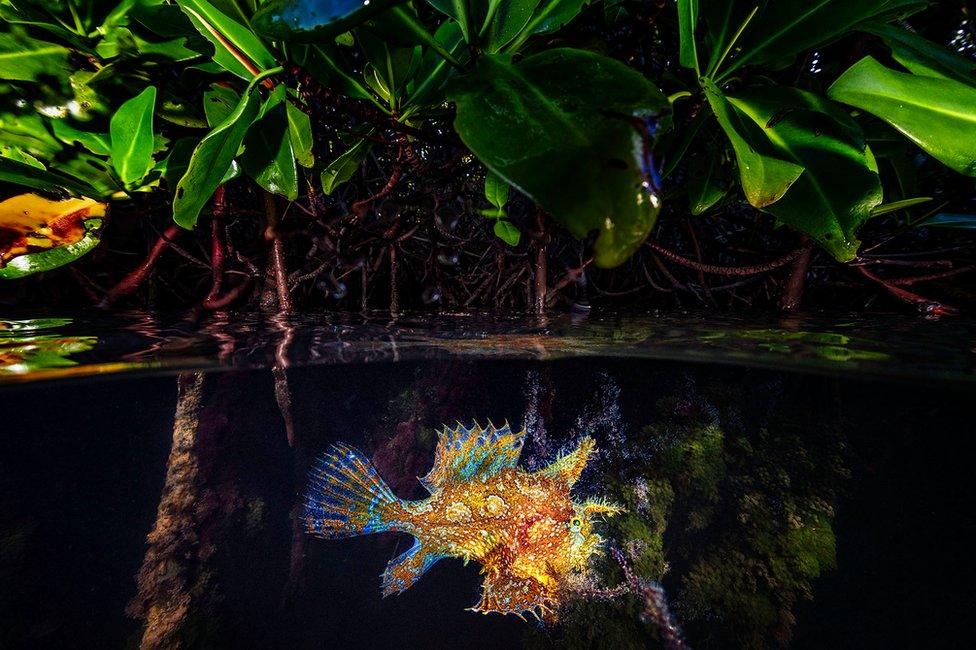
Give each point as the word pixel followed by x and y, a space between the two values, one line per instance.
pixel 165 579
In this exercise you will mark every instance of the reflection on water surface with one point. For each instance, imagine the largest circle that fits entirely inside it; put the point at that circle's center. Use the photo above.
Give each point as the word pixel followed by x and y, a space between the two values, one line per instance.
pixel 887 347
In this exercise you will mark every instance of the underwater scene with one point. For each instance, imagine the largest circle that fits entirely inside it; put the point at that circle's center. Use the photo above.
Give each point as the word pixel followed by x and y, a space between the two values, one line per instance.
pixel 463 487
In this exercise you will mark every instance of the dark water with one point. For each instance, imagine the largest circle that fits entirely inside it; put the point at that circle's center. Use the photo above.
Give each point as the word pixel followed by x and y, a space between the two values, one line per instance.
pixel 801 482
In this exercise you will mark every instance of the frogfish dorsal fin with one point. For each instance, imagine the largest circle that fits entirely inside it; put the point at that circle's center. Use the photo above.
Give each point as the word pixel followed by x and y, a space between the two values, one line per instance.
pixel 570 466
pixel 467 453
pixel 406 568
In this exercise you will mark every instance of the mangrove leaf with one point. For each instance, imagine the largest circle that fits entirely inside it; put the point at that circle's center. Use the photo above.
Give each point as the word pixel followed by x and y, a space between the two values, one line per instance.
pixel 782 30
pixel 765 174
pixel 923 57
pixel 939 115
pixel 131 136
pixel 268 157
pixel 839 186
pixel 564 127
pixel 342 168
pixel 236 48
pixel 211 160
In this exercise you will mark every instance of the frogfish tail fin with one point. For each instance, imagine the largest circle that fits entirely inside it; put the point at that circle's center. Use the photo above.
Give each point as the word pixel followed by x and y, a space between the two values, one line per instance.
pixel 346 496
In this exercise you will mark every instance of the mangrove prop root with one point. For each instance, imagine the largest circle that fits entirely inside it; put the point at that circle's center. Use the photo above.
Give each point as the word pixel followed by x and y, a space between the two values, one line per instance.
pixel 131 282
pixel 279 273
pixel 359 208
pixel 165 579
pixel 218 248
pixel 793 294
pixel 930 307
pixel 725 270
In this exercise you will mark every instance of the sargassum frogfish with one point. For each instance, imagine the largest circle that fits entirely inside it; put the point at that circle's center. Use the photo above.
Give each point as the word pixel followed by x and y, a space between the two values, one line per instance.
pixel 523 527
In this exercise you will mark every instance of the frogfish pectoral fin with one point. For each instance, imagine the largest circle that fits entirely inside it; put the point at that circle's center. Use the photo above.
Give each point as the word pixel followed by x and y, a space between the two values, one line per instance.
pixel 406 568
pixel 506 593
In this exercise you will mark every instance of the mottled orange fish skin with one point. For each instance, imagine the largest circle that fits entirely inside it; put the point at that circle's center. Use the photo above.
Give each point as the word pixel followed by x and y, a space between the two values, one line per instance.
pixel 522 527
pixel 515 518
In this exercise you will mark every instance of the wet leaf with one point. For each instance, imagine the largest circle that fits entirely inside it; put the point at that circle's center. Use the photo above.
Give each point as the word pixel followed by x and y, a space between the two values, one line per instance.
pixel 511 17
pixel 236 48
pixel 26 59
pixel 28 132
pixel 218 103
pixel 923 57
pixel 342 168
pixel 97 143
pixel 705 188
pixel 782 30
pixel 268 157
pixel 507 232
pixel 131 134
pixel 765 175
pixel 311 21
pixel 939 115
pixel 211 161
pixel 553 15
pixel 560 127
pixel 496 191
pixel 687 21
pixel 300 133
pixel 38 234
pixel 28 175
pixel 839 187
pixel 427 85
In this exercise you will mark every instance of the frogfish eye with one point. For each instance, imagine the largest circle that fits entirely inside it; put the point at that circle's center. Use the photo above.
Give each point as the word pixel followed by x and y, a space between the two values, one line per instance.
pixel 576 523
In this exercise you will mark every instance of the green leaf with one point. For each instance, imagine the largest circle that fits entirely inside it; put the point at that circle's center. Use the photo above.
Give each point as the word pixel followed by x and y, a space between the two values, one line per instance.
pixel 511 17
pixel 459 11
pixel 507 232
pixel 784 29
pixel 496 191
pixel 342 168
pixel 19 155
pixel 939 115
pixel 923 57
pixel 765 175
pixel 839 187
pixel 895 206
pixel 427 85
pixel 268 157
pixel 687 21
pixel 28 132
pixel 314 21
pixel 321 64
pixel 98 143
pixel 300 133
pixel 553 15
pixel 704 182
pixel 211 160
pixel 27 59
pixel 219 102
pixel 560 127
pixel 27 175
pixel 236 48
pixel 131 135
